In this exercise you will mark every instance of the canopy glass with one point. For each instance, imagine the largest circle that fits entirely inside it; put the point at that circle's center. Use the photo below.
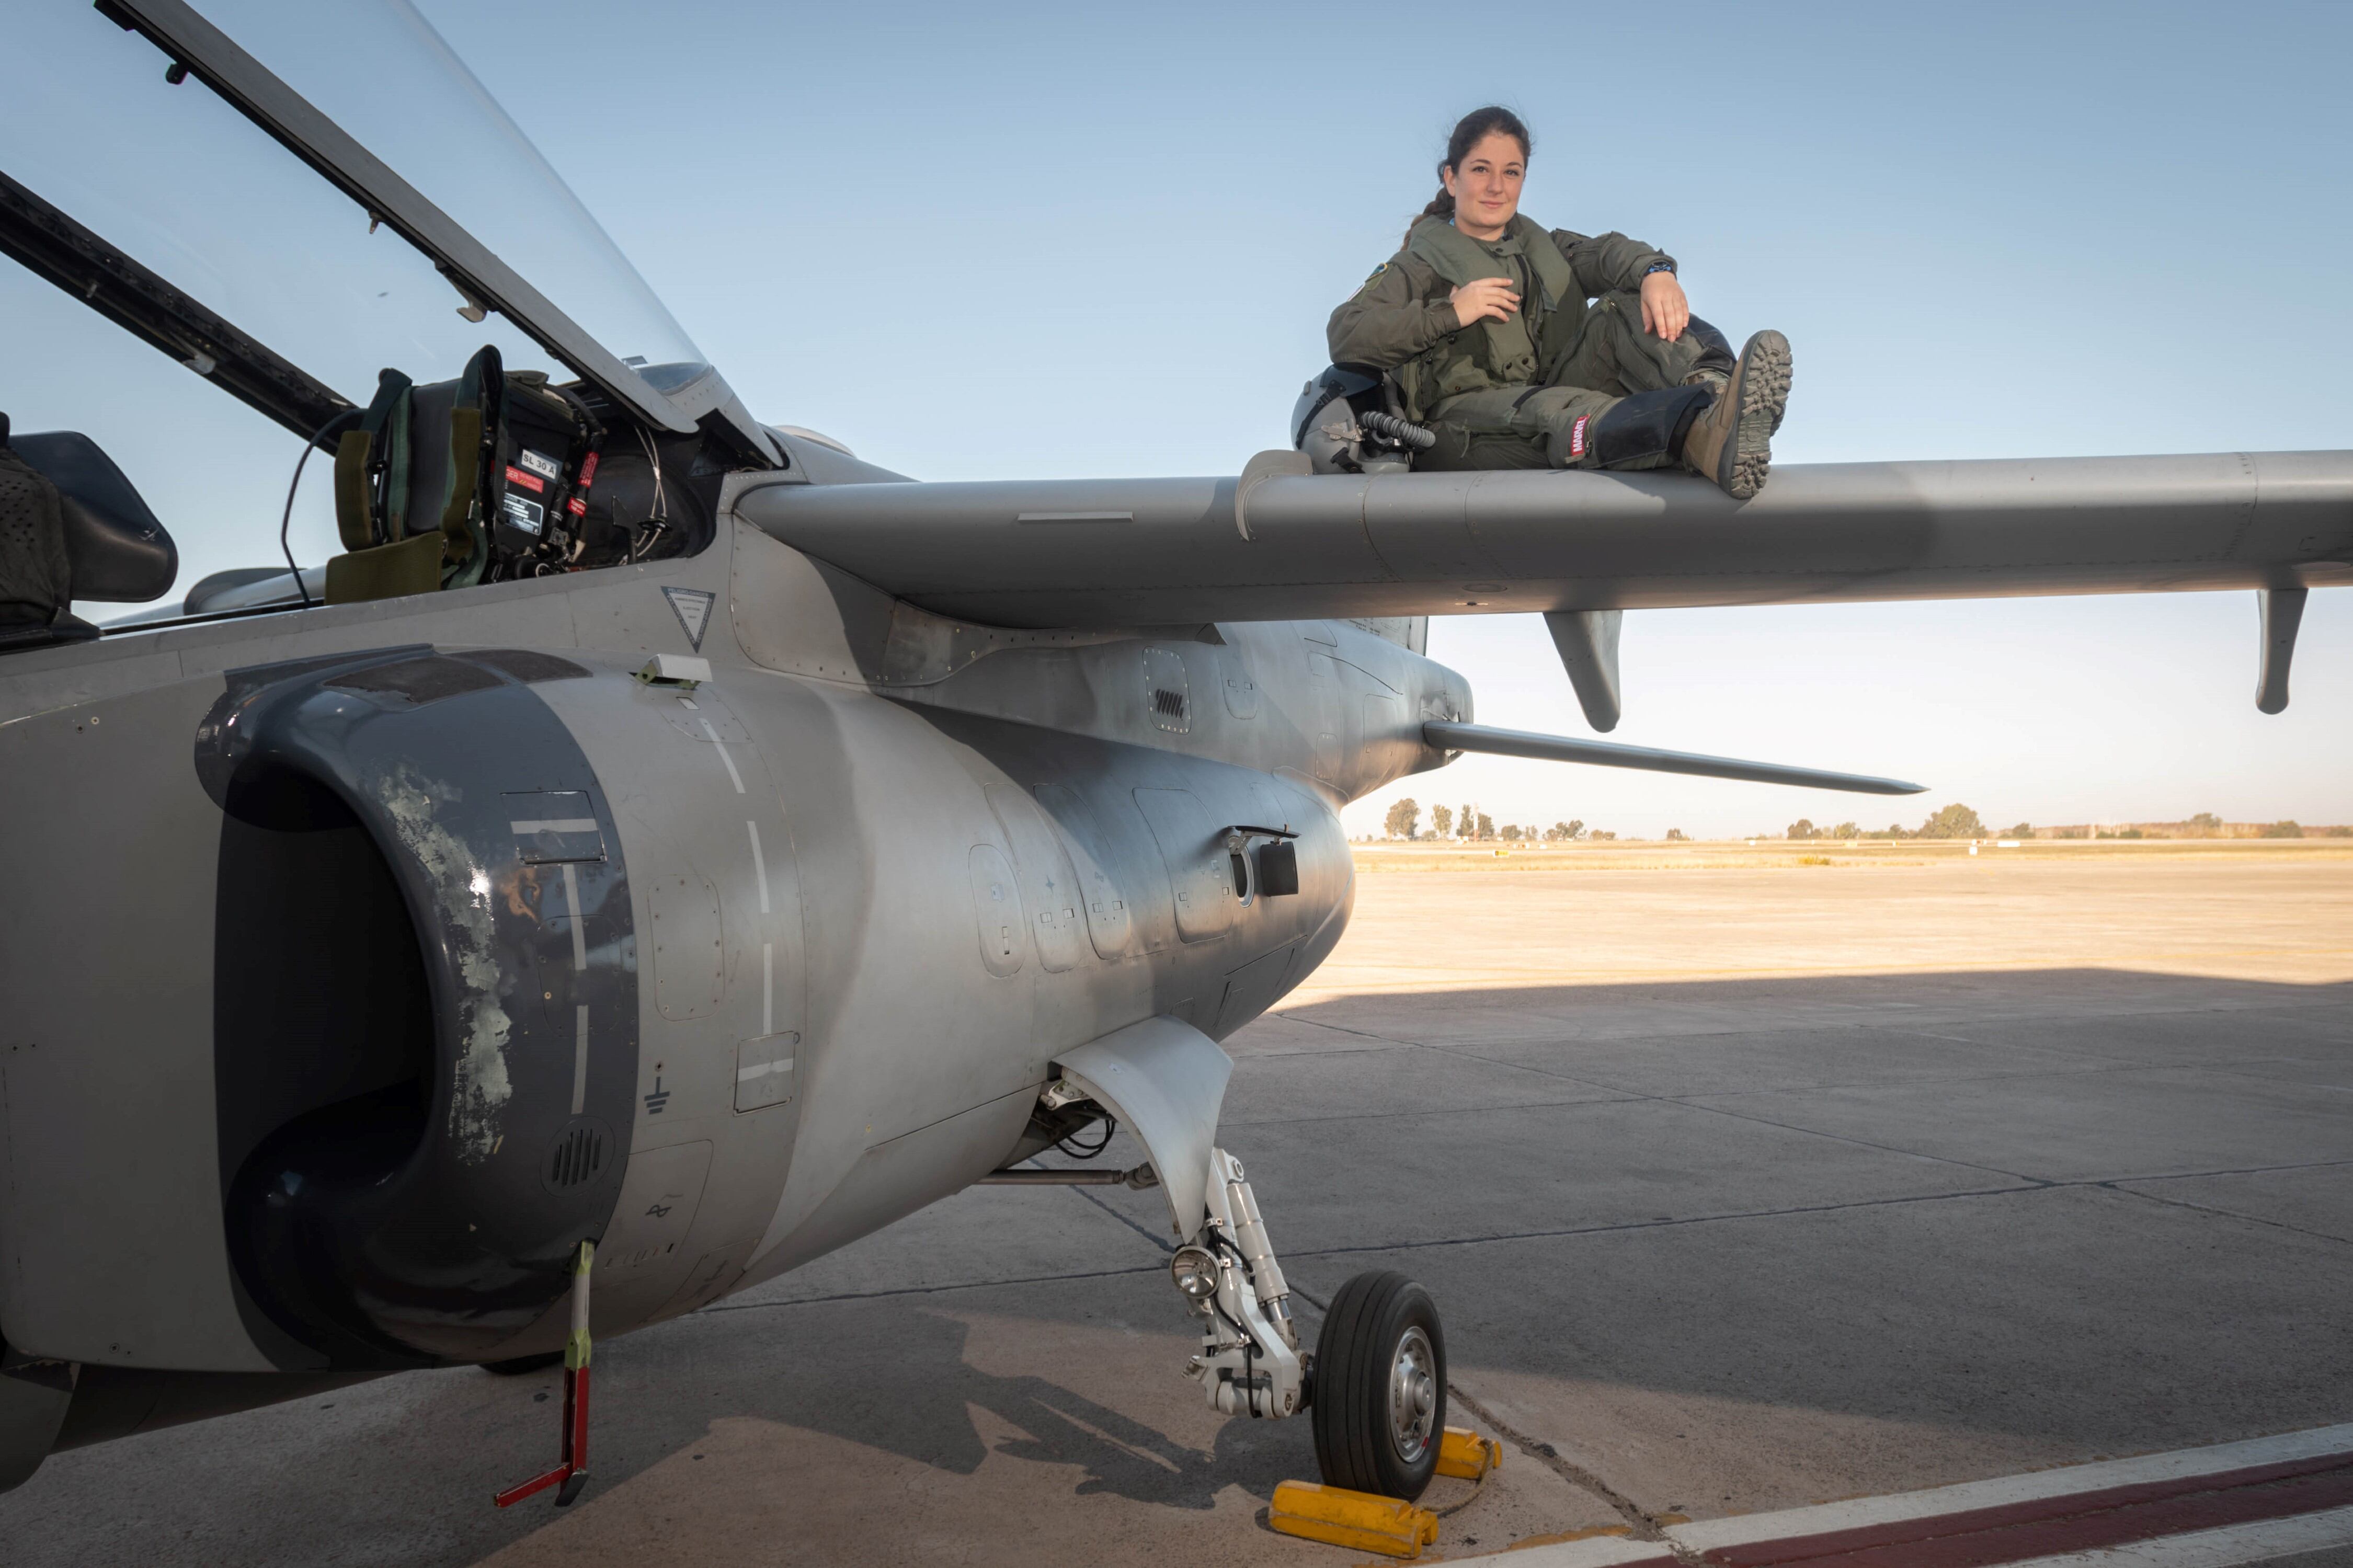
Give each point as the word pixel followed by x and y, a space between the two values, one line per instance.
pixel 191 188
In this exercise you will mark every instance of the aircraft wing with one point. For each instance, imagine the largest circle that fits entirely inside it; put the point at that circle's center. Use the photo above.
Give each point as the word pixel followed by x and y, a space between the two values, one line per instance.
pixel 1171 551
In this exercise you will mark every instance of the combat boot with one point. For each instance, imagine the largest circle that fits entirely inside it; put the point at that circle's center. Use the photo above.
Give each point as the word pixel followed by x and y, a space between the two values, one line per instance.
pixel 1732 442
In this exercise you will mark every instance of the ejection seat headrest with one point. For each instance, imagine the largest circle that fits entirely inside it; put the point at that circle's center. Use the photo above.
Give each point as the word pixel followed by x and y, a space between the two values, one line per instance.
pixel 119 552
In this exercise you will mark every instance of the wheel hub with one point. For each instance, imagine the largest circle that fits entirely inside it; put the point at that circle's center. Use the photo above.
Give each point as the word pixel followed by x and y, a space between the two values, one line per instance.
pixel 1413 1396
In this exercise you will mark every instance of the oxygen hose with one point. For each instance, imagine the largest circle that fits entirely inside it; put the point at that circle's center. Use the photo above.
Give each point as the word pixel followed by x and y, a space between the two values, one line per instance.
pixel 286 519
pixel 1399 432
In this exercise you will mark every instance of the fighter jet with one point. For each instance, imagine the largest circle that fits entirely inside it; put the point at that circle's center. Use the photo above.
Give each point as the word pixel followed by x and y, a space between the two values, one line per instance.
pixel 659 847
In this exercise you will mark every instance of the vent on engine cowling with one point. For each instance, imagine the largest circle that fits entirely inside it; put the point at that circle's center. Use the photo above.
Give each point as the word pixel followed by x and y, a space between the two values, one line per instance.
pixel 1166 690
pixel 578 1156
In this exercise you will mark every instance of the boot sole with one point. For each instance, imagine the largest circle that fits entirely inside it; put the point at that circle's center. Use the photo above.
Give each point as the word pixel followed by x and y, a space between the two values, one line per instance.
pixel 1762 385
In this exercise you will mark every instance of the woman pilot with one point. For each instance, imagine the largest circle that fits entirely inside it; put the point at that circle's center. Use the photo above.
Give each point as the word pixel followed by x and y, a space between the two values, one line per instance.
pixel 1482 321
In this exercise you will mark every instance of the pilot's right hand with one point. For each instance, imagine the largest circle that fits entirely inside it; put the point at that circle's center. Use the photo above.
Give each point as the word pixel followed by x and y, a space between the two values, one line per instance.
pixel 1484 297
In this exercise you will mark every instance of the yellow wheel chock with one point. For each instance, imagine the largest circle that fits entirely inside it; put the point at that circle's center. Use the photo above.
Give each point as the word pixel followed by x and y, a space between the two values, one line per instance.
pixel 1464 1453
pixel 1384 1524
pixel 1360 1519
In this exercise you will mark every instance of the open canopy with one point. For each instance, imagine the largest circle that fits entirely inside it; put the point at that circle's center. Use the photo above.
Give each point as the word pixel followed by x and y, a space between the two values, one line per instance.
pixel 142 174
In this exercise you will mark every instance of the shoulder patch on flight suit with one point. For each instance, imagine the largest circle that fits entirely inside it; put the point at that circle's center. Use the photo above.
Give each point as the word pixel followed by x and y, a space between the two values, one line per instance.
pixel 1376 278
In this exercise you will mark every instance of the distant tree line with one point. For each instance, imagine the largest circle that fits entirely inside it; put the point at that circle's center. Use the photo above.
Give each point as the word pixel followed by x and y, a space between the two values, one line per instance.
pixel 1468 824
pixel 1957 821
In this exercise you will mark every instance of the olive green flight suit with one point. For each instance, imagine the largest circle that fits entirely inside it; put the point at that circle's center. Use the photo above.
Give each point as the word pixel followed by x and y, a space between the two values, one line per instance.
pixel 1513 391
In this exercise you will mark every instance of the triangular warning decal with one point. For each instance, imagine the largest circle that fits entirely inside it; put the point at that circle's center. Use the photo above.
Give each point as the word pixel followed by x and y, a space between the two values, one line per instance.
pixel 692 608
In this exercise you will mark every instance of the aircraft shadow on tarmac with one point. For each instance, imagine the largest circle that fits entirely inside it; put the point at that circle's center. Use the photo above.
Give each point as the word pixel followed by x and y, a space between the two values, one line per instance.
pixel 1117 1454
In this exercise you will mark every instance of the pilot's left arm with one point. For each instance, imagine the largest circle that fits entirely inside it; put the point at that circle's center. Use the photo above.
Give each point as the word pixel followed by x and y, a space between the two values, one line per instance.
pixel 1607 263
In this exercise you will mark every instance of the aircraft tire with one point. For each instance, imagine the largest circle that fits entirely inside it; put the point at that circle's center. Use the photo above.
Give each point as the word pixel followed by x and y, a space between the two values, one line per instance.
pixel 518 1365
pixel 1379 1404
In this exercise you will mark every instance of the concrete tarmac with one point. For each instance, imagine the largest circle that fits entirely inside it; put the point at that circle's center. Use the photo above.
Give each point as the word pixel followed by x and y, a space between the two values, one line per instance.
pixel 1741 1184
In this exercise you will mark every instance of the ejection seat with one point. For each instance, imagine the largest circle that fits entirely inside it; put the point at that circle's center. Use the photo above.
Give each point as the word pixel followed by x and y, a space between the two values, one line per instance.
pixel 487 478
pixel 71 528
pixel 413 489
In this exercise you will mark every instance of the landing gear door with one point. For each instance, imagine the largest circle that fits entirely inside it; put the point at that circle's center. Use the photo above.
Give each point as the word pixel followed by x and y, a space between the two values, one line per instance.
pixel 1166 1082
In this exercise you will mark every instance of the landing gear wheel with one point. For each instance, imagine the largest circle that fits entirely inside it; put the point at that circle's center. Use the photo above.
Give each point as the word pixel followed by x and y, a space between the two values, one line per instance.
pixel 1380 1387
pixel 520 1364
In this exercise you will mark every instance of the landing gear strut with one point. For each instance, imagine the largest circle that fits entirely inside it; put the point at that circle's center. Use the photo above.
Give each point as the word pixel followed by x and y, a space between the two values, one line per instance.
pixel 1375 1383
pixel 1377 1379
pixel 1249 1360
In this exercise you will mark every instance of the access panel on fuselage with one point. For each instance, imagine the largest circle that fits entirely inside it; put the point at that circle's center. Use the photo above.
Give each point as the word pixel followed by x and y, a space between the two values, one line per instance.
pixel 1050 884
pixel 1193 852
pixel 1112 876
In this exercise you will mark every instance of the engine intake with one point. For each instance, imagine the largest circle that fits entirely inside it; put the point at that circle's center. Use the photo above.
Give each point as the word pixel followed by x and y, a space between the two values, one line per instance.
pixel 426 1001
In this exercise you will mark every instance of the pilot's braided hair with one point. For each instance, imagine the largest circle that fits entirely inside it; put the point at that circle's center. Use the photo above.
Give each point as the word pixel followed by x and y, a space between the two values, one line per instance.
pixel 1469 132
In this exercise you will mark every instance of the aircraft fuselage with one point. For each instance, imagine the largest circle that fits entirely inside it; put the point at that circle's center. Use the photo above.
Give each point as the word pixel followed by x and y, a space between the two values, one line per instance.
pixel 476 944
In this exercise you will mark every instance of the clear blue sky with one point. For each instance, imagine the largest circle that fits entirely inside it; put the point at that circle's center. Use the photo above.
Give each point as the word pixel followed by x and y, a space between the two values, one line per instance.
pixel 991 242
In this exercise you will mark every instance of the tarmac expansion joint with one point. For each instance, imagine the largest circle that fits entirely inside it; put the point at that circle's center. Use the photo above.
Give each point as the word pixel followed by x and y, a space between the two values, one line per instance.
pixel 1641 1523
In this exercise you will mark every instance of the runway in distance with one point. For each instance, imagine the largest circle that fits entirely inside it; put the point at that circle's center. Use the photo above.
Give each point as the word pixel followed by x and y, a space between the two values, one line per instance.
pixel 660 848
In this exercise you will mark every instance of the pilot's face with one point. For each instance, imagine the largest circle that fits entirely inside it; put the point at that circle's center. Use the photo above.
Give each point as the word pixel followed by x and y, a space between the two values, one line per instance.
pixel 1486 185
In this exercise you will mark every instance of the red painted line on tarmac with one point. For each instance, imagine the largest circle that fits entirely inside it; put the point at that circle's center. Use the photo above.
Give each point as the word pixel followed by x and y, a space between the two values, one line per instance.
pixel 2078 1522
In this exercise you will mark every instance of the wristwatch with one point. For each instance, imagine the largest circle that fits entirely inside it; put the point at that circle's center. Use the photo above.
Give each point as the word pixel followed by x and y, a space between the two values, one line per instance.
pixel 1667 267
